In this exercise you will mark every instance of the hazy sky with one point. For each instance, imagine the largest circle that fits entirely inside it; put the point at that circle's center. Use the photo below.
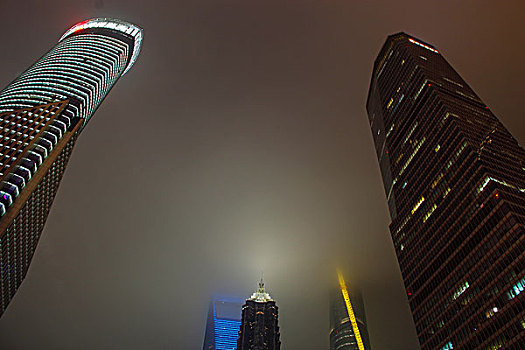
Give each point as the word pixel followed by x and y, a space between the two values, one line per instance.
pixel 239 142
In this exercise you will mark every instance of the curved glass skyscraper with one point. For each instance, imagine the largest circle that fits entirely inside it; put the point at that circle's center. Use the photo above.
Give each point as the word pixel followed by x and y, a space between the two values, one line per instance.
pixel 42 113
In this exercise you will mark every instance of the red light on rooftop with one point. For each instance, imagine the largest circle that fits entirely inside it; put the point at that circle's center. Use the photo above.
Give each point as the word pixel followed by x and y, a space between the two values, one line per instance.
pixel 80 26
pixel 496 195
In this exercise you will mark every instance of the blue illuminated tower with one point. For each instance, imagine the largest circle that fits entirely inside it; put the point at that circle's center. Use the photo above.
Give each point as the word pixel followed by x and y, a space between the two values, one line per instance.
pixel 224 322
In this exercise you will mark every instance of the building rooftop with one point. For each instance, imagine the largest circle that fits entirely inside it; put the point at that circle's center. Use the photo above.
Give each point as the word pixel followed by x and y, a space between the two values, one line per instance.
pixel 112 24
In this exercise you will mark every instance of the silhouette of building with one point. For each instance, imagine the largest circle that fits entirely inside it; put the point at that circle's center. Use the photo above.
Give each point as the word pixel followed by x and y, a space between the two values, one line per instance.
pixel 348 330
pixel 259 327
pixel 454 178
pixel 42 112
pixel 224 323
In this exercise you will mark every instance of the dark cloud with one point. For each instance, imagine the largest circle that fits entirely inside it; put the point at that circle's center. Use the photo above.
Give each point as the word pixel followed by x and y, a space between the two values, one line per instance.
pixel 237 143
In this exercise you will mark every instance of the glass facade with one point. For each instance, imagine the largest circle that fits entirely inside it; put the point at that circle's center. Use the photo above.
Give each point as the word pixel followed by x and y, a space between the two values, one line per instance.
pixel 224 323
pixel 42 112
pixel 454 178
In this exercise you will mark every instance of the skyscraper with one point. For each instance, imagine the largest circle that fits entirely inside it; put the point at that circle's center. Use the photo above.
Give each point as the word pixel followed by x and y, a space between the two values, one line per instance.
pixel 224 323
pixel 42 112
pixel 259 328
pixel 348 330
pixel 454 178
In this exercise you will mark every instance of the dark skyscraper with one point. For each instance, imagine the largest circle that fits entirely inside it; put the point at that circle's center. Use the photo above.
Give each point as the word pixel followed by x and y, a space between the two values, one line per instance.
pixel 42 112
pixel 454 178
pixel 259 328
pixel 348 330
pixel 224 323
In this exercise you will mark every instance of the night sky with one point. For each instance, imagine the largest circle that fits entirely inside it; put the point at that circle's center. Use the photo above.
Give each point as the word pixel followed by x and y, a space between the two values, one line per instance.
pixel 238 143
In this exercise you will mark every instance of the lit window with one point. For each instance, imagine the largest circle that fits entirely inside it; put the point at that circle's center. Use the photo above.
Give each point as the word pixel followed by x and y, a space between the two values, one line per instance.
pixel 421 88
pixel 389 131
pixel 410 133
pixel 427 215
pixel 501 182
pixel 418 146
pixel 436 181
pixel 418 204
pixel 497 344
pixel 448 346
pixel 460 290
pixel 491 312
pixel 516 289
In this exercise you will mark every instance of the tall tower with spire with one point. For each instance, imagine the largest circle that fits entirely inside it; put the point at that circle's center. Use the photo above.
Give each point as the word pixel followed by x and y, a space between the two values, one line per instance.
pixel 259 325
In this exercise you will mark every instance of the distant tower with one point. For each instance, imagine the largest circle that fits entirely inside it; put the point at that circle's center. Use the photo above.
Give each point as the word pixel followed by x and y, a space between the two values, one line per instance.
pixel 348 329
pixel 259 328
pixel 454 178
pixel 42 112
pixel 224 322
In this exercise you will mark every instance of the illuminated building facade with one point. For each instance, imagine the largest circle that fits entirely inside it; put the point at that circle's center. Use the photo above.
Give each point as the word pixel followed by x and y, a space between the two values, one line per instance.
pixel 348 329
pixel 42 112
pixel 259 327
pixel 454 178
pixel 224 323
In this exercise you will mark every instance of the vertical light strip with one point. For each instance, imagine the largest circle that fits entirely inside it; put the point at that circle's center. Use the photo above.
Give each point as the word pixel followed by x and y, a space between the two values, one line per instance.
pixel 350 311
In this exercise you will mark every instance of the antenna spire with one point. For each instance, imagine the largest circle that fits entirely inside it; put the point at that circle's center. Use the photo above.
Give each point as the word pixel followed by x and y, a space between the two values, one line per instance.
pixel 261 283
pixel 260 295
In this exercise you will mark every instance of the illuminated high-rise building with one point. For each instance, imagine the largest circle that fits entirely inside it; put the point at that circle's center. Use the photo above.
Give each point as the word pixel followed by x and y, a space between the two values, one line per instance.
pixel 224 323
pixel 348 330
pixel 42 112
pixel 454 178
pixel 259 327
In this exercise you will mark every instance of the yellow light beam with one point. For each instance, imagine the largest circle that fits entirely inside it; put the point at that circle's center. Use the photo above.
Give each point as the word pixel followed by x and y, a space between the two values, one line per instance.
pixel 350 310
